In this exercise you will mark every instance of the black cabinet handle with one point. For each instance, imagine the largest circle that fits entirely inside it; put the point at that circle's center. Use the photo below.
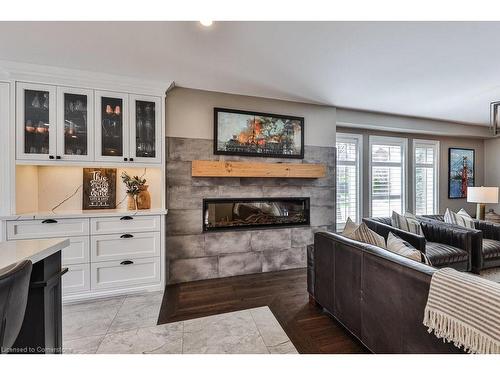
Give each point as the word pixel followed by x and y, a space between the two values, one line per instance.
pixel 51 156
pixel 127 218
pixel 125 159
pixel 49 221
pixel 126 236
pixel 58 157
pixel 131 159
pixel 125 262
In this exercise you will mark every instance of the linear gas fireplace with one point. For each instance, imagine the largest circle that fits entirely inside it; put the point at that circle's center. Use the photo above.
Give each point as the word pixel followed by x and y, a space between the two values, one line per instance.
pixel 246 213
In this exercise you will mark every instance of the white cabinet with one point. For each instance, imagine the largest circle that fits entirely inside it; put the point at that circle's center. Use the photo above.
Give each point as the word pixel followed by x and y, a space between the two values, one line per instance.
pixel 145 129
pixel 126 273
pixel 75 124
pixel 77 279
pixel 130 224
pixel 112 129
pixel 107 255
pixel 125 246
pixel 59 123
pixel 36 135
pixel 47 228
pixel 77 252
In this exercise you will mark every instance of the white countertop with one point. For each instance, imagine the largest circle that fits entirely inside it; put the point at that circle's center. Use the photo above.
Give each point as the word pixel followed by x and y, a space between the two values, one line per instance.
pixel 83 213
pixel 12 252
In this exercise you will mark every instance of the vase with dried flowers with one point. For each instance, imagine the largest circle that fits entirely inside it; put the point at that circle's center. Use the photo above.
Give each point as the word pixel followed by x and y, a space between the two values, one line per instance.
pixel 138 197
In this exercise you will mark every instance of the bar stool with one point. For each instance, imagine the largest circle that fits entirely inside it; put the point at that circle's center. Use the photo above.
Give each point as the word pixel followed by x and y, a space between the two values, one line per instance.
pixel 14 287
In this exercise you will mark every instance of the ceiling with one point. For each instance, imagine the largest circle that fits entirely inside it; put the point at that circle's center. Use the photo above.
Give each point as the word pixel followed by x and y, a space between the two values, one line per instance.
pixel 440 70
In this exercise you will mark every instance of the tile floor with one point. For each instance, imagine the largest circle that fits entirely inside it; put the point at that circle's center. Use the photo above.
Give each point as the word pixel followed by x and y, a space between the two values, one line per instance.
pixel 127 325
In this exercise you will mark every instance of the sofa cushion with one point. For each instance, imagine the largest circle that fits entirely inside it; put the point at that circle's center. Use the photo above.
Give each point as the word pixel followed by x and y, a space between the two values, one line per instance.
pixel 406 223
pixel 403 248
pixel 491 248
pixel 366 235
pixel 461 219
pixel 441 254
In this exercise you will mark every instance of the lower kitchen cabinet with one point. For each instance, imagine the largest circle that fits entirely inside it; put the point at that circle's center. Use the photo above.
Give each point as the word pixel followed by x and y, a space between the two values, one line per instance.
pixel 107 256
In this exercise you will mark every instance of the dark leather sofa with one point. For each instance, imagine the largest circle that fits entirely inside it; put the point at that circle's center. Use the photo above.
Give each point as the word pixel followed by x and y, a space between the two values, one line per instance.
pixel 485 241
pixel 377 295
pixel 445 245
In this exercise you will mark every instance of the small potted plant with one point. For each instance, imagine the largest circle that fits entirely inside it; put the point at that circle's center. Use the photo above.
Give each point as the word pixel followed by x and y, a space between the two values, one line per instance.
pixel 138 197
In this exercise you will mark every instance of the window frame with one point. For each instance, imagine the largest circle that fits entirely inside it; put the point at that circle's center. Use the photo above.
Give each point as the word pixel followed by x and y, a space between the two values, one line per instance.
pixel 391 141
pixel 436 145
pixel 359 169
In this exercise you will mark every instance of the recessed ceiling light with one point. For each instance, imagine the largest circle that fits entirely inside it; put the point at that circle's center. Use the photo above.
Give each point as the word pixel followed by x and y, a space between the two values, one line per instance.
pixel 206 23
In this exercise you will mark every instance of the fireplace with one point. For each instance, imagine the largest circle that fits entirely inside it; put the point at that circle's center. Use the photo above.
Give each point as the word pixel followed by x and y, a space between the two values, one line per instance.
pixel 245 213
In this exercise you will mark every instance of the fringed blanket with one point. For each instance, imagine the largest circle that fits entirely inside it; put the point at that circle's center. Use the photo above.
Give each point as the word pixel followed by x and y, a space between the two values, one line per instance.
pixel 465 309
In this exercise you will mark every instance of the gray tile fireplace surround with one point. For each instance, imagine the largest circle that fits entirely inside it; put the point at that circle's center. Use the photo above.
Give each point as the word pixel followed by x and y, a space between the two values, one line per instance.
pixel 194 255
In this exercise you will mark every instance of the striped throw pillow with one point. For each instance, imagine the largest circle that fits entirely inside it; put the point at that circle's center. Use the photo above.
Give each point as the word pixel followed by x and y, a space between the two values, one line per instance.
pixel 401 247
pixel 366 235
pixel 405 223
pixel 350 226
pixel 466 221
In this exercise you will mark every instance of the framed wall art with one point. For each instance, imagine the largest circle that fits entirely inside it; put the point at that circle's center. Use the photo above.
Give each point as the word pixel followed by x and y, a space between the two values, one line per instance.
pixel 247 133
pixel 461 172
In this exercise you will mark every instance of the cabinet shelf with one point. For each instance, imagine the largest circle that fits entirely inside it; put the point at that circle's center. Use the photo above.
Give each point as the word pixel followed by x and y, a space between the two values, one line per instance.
pixel 208 168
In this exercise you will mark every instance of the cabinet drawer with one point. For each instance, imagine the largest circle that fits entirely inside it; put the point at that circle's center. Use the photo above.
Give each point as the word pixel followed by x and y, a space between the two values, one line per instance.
pixel 125 224
pixel 77 279
pixel 33 229
pixel 115 274
pixel 125 246
pixel 77 252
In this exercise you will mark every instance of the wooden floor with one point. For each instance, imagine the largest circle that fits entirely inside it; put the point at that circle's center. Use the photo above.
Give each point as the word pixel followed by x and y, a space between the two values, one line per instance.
pixel 310 329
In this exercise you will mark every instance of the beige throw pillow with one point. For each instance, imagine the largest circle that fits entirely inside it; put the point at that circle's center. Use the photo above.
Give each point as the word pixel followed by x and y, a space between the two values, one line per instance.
pixel 366 235
pixel 350 226
pixel 401 247
pixel 463 219
pixel 406 223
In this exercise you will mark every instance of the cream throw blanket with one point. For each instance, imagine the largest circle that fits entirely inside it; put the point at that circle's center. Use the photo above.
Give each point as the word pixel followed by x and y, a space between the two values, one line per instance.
pixel 465 309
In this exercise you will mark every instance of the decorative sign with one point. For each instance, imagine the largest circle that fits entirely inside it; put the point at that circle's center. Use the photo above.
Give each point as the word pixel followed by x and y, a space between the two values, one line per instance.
pixel 99 188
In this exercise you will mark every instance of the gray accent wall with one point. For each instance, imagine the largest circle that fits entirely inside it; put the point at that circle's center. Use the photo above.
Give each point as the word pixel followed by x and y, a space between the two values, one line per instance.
pixel 194 255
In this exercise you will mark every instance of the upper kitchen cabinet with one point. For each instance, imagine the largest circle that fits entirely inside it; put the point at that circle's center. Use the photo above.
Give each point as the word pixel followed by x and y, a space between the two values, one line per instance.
pixel 36 121
pixel 75 120
pixel 59 123
pixel 145 129
pixel 112 128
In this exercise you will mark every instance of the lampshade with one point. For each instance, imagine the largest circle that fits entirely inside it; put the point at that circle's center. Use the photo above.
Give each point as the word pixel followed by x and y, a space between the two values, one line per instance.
pixel 482 194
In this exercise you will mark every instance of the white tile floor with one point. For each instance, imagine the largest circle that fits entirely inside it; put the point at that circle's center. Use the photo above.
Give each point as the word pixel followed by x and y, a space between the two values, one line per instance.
pixel 128 325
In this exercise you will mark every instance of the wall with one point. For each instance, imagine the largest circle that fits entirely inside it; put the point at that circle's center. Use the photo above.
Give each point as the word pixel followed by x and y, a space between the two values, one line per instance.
pixel 195 255
pixel 189 114
pixel 491 164
pixel 445 144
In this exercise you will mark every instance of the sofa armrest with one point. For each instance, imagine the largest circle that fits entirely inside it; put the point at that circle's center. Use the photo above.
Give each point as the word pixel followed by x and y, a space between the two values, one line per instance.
pixel 490 230
pixel 413 239
pixel 310 270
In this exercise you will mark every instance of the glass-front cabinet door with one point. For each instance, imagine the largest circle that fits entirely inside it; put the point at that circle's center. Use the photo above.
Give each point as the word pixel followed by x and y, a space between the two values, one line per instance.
pixel 145 130
pixel 36 121
pixel 75 118
pixel 112 131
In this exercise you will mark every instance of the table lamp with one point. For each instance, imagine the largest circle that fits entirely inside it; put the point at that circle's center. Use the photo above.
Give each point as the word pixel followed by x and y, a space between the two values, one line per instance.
pixel 481 196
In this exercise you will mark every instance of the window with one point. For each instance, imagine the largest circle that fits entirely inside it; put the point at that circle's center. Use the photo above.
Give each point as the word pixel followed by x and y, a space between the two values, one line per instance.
pixel 425 176
pixel 349 148
pixel 387 175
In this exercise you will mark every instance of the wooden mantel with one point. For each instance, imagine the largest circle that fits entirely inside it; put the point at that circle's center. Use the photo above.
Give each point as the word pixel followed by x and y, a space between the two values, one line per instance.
pixel 208 168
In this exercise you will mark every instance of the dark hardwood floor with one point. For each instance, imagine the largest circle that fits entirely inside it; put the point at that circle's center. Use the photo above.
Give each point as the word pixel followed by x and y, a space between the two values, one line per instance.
pixel 285 292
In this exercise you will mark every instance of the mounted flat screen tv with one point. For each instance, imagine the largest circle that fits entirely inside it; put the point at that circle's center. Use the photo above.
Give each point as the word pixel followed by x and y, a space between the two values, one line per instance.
pixel 246 133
